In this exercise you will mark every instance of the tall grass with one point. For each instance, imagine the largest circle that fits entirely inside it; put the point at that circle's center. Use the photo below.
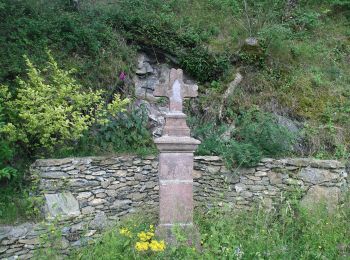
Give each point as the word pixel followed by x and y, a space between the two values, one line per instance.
pixel 285 232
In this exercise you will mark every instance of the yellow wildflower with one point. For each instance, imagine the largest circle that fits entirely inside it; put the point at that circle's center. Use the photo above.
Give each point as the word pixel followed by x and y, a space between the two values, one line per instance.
pixel 145 236
pixel 125 232
pixel 157 246
pixel 141 246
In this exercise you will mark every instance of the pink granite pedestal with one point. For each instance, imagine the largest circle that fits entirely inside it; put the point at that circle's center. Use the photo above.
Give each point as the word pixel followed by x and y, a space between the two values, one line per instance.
pixel 175 180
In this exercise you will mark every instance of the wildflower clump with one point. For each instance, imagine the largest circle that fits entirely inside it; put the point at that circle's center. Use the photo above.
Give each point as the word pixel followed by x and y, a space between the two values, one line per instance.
pixel 157 246
pixel 147 242
pixel 141 246
pixel 125 232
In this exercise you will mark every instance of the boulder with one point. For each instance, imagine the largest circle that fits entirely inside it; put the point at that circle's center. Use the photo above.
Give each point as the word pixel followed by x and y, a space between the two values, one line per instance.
pixel 61 205
pixel 316 176
pixel 316 195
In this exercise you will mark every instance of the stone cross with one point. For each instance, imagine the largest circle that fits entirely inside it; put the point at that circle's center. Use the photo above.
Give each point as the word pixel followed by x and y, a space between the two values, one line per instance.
pixel 176 90
pixel 176 162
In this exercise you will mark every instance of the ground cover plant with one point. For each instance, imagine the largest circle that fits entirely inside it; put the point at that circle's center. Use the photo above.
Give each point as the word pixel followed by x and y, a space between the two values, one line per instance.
pixel 285 232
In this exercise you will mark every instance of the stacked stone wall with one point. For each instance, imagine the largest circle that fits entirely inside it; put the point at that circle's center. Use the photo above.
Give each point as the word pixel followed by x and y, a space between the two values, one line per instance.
pixel 88 194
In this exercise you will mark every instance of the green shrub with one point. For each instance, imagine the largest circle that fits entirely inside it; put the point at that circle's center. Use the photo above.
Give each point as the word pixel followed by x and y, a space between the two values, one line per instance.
pixel 47 112
pixel 126 132
pixel 203 65
pixel 256 134
pixel 261 130
pixel 210 137
pixel 6 153
pixel 243 154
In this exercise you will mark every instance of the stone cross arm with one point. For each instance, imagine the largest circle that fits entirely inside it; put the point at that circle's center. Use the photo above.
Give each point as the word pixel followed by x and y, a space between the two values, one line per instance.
pixel 176 90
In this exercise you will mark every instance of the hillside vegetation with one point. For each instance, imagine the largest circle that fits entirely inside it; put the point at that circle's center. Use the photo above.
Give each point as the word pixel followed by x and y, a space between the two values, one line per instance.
pixel 63 60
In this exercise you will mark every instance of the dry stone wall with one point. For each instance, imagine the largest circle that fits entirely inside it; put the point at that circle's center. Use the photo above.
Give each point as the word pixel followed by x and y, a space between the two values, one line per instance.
pixel 87 195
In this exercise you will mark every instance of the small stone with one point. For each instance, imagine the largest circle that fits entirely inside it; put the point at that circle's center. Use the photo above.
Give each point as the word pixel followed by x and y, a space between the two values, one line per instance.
pixel 240 187
pixel 196 174
pixel 99 173
pixel 316 176
pixel 207 158
pixel 83 183
pixel 248 182
pixel 267 160
pixel 69 168
pixel 87 210
pixel 83 195
pixel 257 188
pixel 275 178
pixel 111 193
pixel 105 184
pixel 27 256
pixel 64 243
pixel 101 195
pixel 270 193
pixel 51 162
pixel 90 233
pixel 262 169
pixel 96 202
pixel 100 221
pixel 29 246
pixel 121 204
pixel 73 172
pixel 3 249
pixel 150 185
pixel 20 231
pixel 327 164
pixel 293 182
pixel 254 178
pixel 13 250
pixel 7 242
pixel 77 227
pixel 65 230
pixel 33 241
pixel 299 162
pixel 251 41
pixel 246 194
pixel 53 175
pixel 137 196
pixel 245 171
pixel 260 174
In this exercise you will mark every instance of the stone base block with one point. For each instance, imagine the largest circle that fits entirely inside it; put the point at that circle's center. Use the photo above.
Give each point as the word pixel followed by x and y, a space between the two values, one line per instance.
pixel 179 234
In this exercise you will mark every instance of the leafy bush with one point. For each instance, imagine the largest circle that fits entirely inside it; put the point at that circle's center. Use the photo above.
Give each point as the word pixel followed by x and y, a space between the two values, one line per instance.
pixel 47 112
pixel 125 132
pixel 243 154
pixel 210 137
pixel 6 153
pixel 262 130
pixel 256 134
pixel 204 65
